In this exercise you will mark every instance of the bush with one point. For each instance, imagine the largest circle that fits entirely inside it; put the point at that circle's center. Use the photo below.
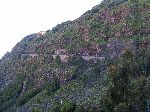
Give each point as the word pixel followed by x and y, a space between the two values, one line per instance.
pixel 10 94
pixel 58 60
pixel 76 60
pixel 68 107
pixel 80 109
pixel 35 110
pixel 52 86
pixel 27 96
pixel 7 105
pixel 116 3
pixel 122 107
pixel 56 107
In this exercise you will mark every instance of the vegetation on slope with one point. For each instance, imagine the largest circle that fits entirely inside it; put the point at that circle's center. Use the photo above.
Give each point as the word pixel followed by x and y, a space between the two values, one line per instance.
pixel 99 62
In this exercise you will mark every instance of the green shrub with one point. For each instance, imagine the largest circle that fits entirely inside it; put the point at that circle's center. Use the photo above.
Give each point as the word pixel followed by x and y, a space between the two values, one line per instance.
pixel 122 107
pixel 6 105
pixel 27 96
pixel 35 110
pixel 56 107
pixel 76 60
pixel 58 60
pixel 52 86
pixel 116 3
pixel 80 108
pixel 10 94
pixel 68 107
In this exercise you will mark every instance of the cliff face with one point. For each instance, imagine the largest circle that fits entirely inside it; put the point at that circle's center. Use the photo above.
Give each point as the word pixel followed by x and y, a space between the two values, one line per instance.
pixel 72 48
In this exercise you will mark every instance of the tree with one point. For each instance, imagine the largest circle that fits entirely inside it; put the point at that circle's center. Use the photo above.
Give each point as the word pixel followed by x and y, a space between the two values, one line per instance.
pixel 58 60
pixel 119 75
pixel 53 86
pixel 120 84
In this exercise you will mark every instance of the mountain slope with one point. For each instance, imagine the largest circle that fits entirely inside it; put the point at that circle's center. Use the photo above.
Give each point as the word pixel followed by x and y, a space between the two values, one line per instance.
pixel 70 62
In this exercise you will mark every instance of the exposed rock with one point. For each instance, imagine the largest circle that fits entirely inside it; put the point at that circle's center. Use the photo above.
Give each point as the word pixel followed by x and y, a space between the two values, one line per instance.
pixel 116 47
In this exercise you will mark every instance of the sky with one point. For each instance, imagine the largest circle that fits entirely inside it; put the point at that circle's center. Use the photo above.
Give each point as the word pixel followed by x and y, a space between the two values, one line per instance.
pixel 19 18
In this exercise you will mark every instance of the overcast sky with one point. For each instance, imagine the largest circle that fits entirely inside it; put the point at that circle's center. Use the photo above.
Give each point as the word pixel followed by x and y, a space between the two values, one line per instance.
pixel 19 18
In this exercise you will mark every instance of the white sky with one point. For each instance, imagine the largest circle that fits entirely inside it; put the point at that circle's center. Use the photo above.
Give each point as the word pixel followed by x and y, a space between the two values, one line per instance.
pixel 19 18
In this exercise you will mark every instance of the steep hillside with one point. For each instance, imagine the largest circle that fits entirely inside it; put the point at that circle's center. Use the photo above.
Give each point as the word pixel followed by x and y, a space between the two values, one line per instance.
pixel 87 64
